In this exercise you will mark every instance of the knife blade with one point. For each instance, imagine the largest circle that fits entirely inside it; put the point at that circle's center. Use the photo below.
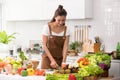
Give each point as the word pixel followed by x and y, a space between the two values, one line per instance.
pixel 58 67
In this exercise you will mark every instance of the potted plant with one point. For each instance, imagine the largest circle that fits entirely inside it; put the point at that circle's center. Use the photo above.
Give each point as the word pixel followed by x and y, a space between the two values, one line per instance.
pixel 73 48
pixel 5 39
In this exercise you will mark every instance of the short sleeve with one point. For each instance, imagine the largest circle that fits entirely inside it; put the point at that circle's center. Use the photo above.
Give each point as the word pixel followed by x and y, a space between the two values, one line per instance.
pixel 45 30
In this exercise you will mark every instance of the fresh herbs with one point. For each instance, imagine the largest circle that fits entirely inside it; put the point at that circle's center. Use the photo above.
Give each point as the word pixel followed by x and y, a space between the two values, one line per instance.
pixel 74 45
pixel 62 77
pixel 22 56
pixel 118 47
pixel 57 77
pixel 118 50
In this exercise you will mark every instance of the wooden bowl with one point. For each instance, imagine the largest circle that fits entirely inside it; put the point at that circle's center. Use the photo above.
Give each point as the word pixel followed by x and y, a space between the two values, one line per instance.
pixel 72 52
pixel 92 77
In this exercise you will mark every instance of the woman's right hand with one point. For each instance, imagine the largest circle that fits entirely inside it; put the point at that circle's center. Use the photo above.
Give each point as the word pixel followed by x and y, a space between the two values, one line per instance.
pixel 53 64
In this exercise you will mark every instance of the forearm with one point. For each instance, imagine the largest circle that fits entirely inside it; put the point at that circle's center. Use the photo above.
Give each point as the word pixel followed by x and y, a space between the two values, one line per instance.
pixel 65 50
pixel 48 53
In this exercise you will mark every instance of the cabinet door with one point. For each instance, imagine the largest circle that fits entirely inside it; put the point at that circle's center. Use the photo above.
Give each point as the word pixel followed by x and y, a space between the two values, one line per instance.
pixel 21 9
pixel 78 9
pixel 115 69
pixel 30 9
pixel 44 9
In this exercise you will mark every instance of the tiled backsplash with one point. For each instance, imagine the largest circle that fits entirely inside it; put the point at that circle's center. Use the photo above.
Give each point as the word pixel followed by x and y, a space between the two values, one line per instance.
pixel 112 22
pixel 105 24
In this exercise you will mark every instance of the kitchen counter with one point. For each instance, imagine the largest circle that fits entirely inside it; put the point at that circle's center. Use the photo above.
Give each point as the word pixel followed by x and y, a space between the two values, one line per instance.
pixel 115 68
pixel 18 77
pixel 116 60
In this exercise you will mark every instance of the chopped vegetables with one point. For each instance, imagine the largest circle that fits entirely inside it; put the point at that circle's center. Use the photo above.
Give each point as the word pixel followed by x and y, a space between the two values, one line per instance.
pixel 63 77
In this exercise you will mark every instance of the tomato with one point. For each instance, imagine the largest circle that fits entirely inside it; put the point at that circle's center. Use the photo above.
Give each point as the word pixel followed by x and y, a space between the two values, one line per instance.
pixel 36 72
pixel 2 64
pixel 40 72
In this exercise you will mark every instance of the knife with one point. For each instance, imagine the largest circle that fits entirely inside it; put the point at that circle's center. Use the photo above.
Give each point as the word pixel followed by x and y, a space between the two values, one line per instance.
pixel 58 67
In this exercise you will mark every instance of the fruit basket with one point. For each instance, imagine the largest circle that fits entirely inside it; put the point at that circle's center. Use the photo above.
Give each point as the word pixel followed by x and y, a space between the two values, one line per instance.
pixel 92 77
pixel 92 65
pixel 105 73
pixel 72 52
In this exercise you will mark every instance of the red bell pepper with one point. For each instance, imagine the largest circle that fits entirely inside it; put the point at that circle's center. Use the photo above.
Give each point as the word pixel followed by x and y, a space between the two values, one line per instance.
pixel 72 77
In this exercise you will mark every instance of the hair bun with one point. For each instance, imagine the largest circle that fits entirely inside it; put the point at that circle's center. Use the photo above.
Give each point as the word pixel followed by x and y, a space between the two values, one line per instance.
pixel 60 7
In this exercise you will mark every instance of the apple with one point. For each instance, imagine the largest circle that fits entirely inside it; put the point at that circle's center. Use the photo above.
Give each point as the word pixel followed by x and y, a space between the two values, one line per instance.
pixel 24 73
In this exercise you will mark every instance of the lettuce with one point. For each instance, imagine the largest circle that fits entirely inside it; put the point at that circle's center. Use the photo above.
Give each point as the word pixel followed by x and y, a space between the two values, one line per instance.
pixel 90 70
pixel 99 58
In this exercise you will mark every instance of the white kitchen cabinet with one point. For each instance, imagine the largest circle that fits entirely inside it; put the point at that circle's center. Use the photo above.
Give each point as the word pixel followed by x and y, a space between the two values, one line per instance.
pixel 2 1
pixel 78 9
pixel 44 9
pixel 115 68
pixel 1 14
pixel 23 9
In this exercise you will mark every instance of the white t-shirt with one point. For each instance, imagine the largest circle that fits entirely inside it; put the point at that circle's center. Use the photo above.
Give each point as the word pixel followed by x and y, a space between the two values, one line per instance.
pixel 46 32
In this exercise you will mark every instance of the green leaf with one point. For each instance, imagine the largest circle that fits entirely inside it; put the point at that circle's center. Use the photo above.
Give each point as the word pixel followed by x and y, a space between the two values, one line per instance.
pixel 118 47
pixel 22 56
pixel 5 38
pixel 74 45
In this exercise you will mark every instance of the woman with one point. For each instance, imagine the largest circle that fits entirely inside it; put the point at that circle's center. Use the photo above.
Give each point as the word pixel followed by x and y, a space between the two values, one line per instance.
pixel 55 39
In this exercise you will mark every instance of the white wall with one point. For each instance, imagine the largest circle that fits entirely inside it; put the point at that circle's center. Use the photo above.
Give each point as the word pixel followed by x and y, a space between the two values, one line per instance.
pixel 0 17
pixel 105 24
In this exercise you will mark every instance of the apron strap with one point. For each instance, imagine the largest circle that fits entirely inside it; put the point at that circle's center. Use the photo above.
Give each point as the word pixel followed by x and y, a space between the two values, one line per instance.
pixel 50 30
pixel 65 31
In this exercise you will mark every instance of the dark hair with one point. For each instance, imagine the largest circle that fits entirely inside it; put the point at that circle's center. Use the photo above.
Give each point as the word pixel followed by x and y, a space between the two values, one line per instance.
pixel 59 12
